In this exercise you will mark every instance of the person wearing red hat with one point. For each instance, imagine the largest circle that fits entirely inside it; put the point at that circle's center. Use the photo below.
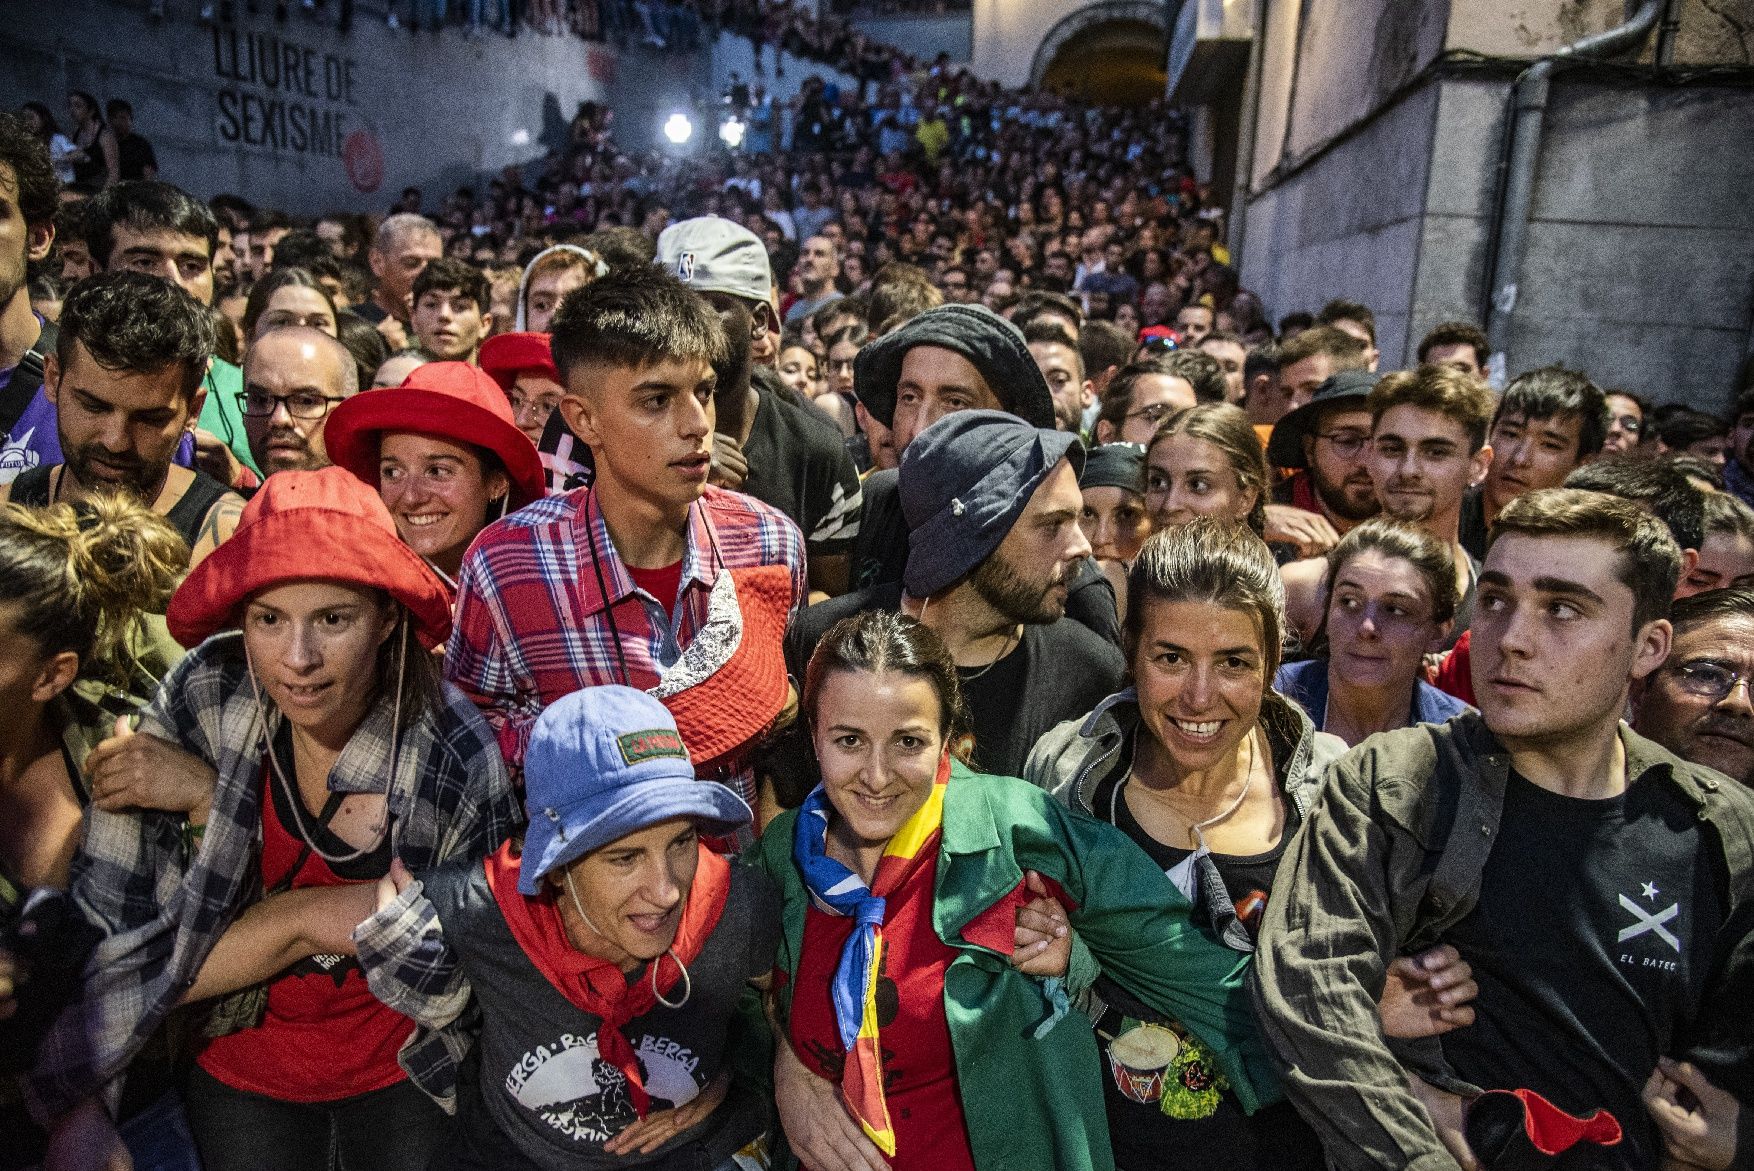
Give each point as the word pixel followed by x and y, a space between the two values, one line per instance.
pixel 445 455
pixel 329 746
pixel 523 366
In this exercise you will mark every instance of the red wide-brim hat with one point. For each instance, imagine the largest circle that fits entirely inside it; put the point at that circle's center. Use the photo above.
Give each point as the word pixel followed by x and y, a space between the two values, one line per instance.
pixel 730 683
pixel 449 400
pixel 309 526
pixel 507 355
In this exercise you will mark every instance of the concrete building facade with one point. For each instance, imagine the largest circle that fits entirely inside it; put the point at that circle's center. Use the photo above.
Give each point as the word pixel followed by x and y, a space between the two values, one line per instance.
pixel 1373 162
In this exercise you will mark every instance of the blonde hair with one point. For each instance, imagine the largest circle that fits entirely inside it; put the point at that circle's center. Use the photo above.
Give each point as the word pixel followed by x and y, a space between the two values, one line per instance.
pixel 81 577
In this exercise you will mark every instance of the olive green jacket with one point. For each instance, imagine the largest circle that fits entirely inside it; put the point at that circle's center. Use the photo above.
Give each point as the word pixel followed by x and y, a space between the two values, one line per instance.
pixel 1391 858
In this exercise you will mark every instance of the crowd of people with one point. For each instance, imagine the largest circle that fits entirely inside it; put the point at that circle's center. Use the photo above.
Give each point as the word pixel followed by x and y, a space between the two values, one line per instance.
pixel 870 651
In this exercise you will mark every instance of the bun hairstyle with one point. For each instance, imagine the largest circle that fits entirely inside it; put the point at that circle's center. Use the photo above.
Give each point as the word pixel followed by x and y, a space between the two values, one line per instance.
pixel 80 577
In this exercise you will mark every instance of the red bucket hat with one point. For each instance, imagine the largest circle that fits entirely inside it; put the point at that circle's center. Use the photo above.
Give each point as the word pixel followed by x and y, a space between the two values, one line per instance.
pixel 452 400
pixel 309 526
pixel 507 355
pixel 730 683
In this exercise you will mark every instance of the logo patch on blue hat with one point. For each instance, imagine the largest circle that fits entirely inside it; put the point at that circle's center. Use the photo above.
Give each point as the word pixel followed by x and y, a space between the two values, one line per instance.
pixel 650 745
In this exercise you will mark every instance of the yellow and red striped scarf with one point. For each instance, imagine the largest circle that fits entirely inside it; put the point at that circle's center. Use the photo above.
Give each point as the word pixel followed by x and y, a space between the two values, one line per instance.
pixel 836 890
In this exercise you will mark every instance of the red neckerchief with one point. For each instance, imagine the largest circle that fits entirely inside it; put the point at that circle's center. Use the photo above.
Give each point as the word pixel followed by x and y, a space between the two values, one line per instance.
pixel 598 986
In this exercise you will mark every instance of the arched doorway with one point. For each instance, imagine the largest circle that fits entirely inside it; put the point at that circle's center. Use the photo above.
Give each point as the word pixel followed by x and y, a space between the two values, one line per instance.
pixel 1113 53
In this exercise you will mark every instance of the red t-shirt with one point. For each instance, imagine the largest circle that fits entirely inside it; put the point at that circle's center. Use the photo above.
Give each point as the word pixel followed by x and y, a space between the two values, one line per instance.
pixel 661 583
pixel 1455 674
pixel 919 1066
pixel 324 1036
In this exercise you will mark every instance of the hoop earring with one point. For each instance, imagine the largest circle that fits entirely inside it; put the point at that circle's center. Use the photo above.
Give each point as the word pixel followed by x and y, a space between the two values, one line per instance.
pixel 687 980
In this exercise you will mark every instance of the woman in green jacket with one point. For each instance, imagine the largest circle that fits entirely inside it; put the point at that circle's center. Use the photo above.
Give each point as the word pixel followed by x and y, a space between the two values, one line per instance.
pixel 916 1037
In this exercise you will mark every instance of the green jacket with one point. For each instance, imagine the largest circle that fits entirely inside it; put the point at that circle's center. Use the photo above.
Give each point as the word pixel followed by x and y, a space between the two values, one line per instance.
pixel 220 413
pixel 1389 859
pixel 1036 1102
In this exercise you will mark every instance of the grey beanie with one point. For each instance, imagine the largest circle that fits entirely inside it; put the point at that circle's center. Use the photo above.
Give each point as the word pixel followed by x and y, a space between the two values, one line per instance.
pixel 994 345
pixel 963 484
pixel 1115 465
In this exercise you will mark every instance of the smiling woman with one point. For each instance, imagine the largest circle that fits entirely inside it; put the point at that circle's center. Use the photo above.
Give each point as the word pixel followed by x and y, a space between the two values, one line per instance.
pixel 328 746
pixel 445 454
pixel 907 880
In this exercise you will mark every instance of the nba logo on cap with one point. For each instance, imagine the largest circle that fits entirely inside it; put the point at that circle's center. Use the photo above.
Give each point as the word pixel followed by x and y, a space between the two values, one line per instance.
pixel 685 267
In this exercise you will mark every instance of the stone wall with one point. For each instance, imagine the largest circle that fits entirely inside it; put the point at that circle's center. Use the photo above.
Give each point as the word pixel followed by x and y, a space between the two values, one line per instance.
pixel 295 115
pixel 1375 171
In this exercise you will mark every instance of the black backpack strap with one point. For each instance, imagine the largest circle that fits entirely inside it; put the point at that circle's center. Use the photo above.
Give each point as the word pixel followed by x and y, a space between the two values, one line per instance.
pixel 27 379
pixel 31 487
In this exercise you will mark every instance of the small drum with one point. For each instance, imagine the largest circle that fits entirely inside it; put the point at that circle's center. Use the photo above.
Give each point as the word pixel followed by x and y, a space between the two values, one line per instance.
pixel 1139 1061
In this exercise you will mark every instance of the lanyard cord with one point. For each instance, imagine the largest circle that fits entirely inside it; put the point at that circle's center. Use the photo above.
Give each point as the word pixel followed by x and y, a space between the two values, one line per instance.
pixel 603 587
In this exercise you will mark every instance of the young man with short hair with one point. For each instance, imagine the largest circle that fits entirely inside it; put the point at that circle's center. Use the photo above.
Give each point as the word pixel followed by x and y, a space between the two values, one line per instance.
pixel 818 268
pixel 1228 350
pixel 452 309
pixel 613 582
pixel 1549 421
pixel 1351 317
pixel 1460 345
pixel 1194 322
pixel 993 505
pixel 125 379
pixel 1141 395
pixel 1311 357
pixel 1594 961
pixel 1427 447
pixel 1699 704
pixel 1056 355
pixel 28 195
pixel 155 228
pixel 767 441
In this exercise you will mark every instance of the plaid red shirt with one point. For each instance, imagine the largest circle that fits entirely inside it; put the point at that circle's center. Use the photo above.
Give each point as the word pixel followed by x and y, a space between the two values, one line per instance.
pixel 532 624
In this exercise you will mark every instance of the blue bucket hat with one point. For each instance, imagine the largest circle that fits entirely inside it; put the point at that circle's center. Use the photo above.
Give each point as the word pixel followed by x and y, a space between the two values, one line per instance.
pixel 603 763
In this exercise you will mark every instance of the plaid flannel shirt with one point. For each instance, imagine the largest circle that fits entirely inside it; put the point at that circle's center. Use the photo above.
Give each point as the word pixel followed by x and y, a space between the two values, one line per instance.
pixel 162 911
pixel 532 624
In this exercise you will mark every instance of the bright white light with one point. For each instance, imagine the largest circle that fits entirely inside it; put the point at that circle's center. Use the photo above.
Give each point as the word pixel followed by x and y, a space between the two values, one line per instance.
pixel 520 137
pixel 678 129
pixel 731 130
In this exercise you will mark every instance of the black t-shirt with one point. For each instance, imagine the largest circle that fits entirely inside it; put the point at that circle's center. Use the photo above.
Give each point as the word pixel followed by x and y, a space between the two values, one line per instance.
pixel 134 155
pixel 1472 532
pixel 799 464
pixel 880 556
pixel 1223 1137
pixel 1058 671
pixel 1592 943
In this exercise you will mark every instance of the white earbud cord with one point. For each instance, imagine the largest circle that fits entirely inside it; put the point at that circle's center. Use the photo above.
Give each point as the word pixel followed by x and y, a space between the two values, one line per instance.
pixel 687 980
pixel 294 801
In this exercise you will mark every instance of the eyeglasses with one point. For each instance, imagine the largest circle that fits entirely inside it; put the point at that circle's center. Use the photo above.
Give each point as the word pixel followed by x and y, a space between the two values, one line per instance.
pixel 1709 680
pixel 302 404
pixel 1631 424
pixel 1153 414
pixel 1347 443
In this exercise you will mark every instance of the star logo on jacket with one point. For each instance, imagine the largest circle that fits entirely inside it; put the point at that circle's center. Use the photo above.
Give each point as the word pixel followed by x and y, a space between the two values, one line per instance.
pixel 1650 922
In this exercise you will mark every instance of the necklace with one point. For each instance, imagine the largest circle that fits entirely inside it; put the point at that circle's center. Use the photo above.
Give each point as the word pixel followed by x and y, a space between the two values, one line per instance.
pixel 1196 829
pixel 1011 641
